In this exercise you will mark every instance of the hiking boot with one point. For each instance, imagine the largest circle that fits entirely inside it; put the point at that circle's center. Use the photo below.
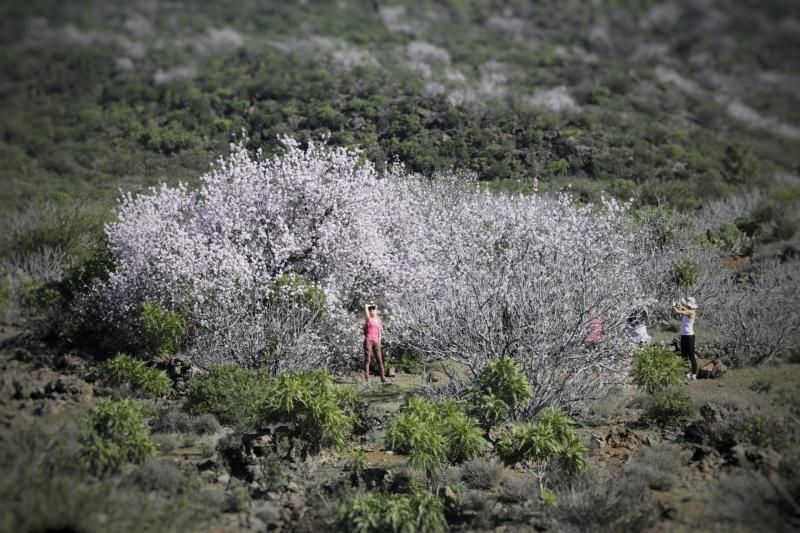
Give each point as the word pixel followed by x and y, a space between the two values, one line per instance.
pixel 689 378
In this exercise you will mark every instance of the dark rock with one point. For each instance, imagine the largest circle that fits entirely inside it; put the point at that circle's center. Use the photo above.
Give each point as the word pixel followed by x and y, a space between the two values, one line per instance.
pixel 209 464
pixel 376 477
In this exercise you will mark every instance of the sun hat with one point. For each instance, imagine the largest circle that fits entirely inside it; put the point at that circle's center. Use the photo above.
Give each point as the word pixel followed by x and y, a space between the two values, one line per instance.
pixel 690 303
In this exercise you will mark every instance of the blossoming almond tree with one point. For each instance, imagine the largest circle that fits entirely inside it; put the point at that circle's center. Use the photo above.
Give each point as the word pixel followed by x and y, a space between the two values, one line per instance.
pixel 466 274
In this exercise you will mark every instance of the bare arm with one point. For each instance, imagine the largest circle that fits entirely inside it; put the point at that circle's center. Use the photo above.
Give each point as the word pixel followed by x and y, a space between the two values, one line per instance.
pixel 682 310
pixel 366 312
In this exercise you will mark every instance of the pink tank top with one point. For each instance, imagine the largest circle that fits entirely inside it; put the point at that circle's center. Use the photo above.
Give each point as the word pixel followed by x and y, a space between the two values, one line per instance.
pixel 372 329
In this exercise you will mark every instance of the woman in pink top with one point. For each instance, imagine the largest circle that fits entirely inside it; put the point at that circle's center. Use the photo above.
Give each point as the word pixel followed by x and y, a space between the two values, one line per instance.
pixel 372 340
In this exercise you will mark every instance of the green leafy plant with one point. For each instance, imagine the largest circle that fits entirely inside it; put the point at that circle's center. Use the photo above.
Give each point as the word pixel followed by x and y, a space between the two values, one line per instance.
pixel 655 368
pixel 321 413
pixel 499 388
pixel 434 433
pixel 232 394
pixel 550 436
pixel 668 407
pixel 686 274
pixel 162 330
pixel 113 433
pixel 396 513
pixel 124 369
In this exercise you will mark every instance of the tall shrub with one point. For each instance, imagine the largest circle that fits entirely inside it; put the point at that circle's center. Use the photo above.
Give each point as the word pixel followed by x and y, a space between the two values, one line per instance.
pixel 655 368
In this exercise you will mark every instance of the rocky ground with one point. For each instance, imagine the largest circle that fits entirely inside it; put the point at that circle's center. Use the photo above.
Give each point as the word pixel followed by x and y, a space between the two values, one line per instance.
pixel 686 469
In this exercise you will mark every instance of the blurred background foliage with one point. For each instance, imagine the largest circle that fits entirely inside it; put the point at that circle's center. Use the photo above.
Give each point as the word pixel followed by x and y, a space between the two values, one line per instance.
pixel 675 104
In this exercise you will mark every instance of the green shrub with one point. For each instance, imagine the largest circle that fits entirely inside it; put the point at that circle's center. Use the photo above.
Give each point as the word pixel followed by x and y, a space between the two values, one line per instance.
pixel 549 437
pixel 113 433
pixel 434 433
pixel 322 413
pixel 499 389
pixel 534 441
pixel 668 407
pixel 232 394
pixel 162 331
pixel 396 513
pixel 655 368
pixel 124 369
pixel 686 274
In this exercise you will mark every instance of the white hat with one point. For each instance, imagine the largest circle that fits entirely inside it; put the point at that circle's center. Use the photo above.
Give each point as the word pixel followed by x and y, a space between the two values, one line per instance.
pixel 690 303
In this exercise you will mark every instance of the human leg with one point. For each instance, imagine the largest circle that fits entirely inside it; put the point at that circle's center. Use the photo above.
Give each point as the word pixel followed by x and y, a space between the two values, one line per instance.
pixel 687 351
pixel 692 355
pixel 379 356
pixel 367 358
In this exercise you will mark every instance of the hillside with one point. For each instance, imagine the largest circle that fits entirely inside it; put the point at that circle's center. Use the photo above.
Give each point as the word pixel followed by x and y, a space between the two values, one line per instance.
pixel 681 101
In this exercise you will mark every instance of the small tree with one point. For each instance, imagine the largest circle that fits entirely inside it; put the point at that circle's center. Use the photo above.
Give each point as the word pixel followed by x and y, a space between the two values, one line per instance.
pixel 548 437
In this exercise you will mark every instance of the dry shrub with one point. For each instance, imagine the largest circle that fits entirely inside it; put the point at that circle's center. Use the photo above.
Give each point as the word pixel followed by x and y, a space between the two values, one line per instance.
pixel 657 466
pixel 600 502
pixel 481 474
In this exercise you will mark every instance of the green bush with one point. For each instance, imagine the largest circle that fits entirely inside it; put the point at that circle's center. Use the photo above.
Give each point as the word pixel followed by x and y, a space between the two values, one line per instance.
pixel 434 433
pixel 322 413
pixel 655 368
pixel 499 389
pixel 232 394
pixel 113 433
pixel 124 369
pixel 550 436
pixel 162 331
pixel 668 407
pixel 396 513
pixel 686 274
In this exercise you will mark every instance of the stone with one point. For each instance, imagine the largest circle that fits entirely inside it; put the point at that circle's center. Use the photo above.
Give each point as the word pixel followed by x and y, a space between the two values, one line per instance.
pixel 449 498
pixel 262 445
pixel 292 487
pixel 391 372
pixel 597 442
pixel 224 478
